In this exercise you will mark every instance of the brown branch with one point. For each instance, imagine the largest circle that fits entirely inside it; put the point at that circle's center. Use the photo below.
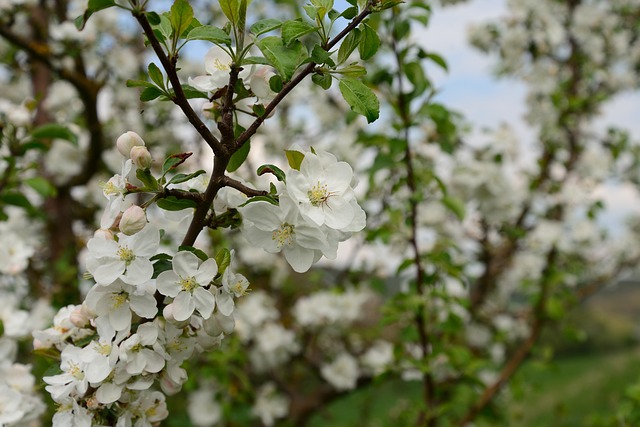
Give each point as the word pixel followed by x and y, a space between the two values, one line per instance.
pixel 523 350
pixel 251 192
pixel 179 97
pixel 182 194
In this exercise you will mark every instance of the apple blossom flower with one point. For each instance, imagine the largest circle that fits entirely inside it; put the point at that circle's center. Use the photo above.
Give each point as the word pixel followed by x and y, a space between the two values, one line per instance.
pixel 322 191
pixel 73 379
pixel 282 229
pixel 234 283
pixel 270 405
pixel 128 258
pixel 342 373
pixel 69 413
pixel 217 64
pixel 136 353
pixel 186 284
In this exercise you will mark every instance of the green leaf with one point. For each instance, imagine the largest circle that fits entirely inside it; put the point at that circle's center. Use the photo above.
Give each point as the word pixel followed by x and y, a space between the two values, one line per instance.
pixel 197 252
pixel 454 205
pixel 161 266
pixel 172 203
pixel 348 45
pixel 311 11
pixel 274 170
pixel 147 179
pixel 223 259
pixel 153 17
pixel 139 83
pixel 150 93
pixel 414 72
pixel 54 131
pixel 165 26
pixel 189 93
pixel 322 7
pixel 353 70
pixel 238 158
pixel 173 161
pixel 319 55
pixel 361 99
pixel 92 7
pixel 259 60
pixel 293 30
pixel 181 16
pixel 267 199
pixel 15 199
pixel 156 75
pixel 275 83
pixel 294 158
pixel 285 59
pixel 181 177
pixel 209 33
pixel 369 42
pixel 42 186
pixel 231 9
pixel 438 60
pixel 163 256
pixel 349 13
pixel 322 80
pixel 264 26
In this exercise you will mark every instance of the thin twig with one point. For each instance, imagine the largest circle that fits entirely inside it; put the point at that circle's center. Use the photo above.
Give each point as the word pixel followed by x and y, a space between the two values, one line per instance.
pixel 179 97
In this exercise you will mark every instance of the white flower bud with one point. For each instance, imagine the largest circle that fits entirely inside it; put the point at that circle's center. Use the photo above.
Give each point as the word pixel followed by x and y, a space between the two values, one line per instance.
pixel 102 233
pixel 140 157
pixel 218 324
pixel 127 141
pixel 79 316
pixel 133 220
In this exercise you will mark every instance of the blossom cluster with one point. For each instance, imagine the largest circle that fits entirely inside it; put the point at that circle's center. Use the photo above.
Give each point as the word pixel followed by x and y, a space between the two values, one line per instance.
pixel 316 210
pixel 141 319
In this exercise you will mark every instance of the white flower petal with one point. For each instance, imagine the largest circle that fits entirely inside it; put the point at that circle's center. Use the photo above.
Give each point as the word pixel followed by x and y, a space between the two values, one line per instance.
pixel 205 302
pixel 206 272
pixel 108 271
pixel 168 283
pixel 183 306
pixel 300 259
pixel 139 271
pixel 185 264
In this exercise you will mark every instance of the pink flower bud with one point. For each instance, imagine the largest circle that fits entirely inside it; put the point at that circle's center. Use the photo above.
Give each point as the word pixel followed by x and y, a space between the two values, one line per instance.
pixel 79 316
pixel 127 141
pixel 103 234
pixel 141 157
pixel 133 220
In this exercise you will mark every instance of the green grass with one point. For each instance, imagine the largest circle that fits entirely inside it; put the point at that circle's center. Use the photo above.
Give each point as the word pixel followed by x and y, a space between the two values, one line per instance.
pixel 571 391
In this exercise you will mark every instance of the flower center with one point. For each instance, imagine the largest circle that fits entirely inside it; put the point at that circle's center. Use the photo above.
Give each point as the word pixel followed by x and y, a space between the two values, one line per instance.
pixel 118 299
pixel 284 235
pixel 319 194
pixel 219 65
pixel 76 372
pixel 103 349
pixel 125 254
pixel 188 284
pixel 238 287
pixel 109 188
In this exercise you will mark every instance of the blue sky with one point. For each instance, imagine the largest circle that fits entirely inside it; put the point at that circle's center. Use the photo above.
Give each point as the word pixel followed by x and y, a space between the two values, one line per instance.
pixel 470 88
